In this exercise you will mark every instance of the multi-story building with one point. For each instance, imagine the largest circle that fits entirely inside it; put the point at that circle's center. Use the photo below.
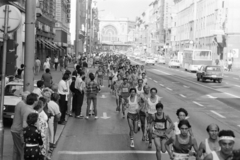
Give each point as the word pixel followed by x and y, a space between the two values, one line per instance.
pixel 63 18
pixel 208 24
pixel 45 32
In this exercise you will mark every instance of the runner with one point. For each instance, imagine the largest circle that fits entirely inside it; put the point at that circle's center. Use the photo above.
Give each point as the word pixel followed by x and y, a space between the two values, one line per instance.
pixel 110 76
pixel 143 110
pixel 139 87
pixel 117 84
pixel 226 143
pixel 182 143
pixel 210 144
pixel 144 79
pixel 124 90
pixel 152 101
pixel 99 74
pixel 133 113
pixel 141 71
pixel 181 114
pixel 161 132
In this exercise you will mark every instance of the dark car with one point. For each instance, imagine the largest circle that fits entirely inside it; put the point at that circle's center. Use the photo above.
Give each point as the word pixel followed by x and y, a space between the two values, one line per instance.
pixel 214 73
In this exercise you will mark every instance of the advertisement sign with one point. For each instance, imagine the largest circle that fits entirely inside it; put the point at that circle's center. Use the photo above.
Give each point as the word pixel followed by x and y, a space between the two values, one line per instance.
pixel 68 11
pixel 234 53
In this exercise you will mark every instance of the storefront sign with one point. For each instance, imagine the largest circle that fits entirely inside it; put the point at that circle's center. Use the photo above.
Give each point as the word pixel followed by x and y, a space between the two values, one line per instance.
pixel 68 11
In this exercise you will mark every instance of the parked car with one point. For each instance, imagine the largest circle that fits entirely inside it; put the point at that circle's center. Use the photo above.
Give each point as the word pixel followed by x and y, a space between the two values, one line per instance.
pixel 209 72
pixel 12 97
pixel 161 60
pixel 150 60
pixel 174 63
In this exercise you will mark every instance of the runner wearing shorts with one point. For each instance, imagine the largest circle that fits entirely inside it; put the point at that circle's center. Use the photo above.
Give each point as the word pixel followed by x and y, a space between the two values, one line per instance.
pixel 152 101
pixel 160 130
pixel 117 85
pixel 124 90
pixel 132 105
pixel 99 75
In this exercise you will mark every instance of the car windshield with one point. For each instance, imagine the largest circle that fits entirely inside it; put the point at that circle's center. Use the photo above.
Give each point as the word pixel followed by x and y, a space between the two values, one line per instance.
pixel 12 90
pixel 213 69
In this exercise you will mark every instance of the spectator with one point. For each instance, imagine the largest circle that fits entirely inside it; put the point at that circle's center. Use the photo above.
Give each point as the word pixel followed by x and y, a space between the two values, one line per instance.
pixel 37 66
pixel 20 72
pixel 38 90
pixel 79 86
pixel 47 78
pixel 63 90
pixel 61 62
pixel 74 98
pixel 92 89
pixel 56 61
pixel 32 139
pixel 17 128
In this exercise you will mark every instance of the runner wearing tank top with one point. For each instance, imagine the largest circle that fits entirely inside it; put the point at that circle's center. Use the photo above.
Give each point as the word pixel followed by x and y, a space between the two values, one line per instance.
pixel 139 87
pixel 152 101
pixel 132 115
pixel 209 144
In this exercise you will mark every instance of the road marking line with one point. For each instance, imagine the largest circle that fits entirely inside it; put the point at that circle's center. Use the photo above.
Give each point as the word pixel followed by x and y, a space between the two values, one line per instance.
pixel 162 72
pixel 231 95
pixel 150 78
pixel 186 86
pixel 155 81
pixel 203 85
pixel 197 103
pixel 237 85
pixel 161 85
pixel 211 97
pixel 218 114
pixel 238 125
pixel 182 95
pixel 236 78
pixel 106 152
pixel 169 89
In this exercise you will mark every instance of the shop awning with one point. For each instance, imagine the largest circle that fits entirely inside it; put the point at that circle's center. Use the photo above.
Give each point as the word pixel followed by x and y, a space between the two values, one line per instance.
pixel 46 44
pixel 50 44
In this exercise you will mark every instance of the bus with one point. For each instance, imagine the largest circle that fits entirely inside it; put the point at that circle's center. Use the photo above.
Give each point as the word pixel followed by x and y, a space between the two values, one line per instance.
pixel 194 58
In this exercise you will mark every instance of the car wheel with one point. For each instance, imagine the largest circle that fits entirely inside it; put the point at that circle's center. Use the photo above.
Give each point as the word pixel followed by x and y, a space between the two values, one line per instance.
pixel 203 79
pixel 220 81
pixel 198 79
pixel 214 80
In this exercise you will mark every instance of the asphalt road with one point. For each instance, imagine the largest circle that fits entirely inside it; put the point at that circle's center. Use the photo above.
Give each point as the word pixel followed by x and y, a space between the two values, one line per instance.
pixel 108 137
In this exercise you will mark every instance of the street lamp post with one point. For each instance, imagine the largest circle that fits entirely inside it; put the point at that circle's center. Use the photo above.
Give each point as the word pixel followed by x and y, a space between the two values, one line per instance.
pixel 30 44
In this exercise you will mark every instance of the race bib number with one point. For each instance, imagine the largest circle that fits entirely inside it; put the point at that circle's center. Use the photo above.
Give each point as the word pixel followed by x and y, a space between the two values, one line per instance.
pixel 125 90
pixel 160 125
pixel 100 73
pixel 180 156
pixel 152 110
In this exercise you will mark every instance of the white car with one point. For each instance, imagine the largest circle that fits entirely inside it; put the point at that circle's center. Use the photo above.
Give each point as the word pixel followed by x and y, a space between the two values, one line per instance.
pixel 12 97
pixel 161 60
pixel 150 60
pixel 174 63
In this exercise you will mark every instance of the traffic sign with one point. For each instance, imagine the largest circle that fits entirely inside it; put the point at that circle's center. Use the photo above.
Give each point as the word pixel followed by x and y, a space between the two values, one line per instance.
pixel 15 18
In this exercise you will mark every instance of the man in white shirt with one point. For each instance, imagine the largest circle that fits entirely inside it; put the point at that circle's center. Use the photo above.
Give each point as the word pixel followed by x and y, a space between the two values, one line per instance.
pixel 56 61
pixel 38 90
pixel 63 91
pixel 37 66
pixel 79 94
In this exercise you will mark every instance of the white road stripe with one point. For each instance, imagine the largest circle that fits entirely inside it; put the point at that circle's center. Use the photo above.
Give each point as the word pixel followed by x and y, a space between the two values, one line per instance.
pixel 211 97
pixel 161 85
pixel 219 115
pixel 236 85
pixel 238 125
pixel 236 78
pixel 106 152
pixel 155 81
pixel 162 72
pixel 150 78
pixel 231 95
pixel 197 103
pixel 169 89
pixel 186 86
pixel 182 95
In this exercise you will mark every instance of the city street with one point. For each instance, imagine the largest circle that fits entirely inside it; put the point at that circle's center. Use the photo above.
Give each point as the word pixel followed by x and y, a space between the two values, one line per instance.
pixel 108 137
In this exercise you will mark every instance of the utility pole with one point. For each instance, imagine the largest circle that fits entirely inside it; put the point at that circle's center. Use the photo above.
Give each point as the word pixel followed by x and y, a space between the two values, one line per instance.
pixel 30 44
pixel 77 29
pixel 5 38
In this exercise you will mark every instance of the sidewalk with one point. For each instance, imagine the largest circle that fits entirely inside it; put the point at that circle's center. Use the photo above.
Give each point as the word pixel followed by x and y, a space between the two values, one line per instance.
pixel 234 72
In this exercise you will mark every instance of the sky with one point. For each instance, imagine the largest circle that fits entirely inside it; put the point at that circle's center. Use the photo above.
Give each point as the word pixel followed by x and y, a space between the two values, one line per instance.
pixel 119 8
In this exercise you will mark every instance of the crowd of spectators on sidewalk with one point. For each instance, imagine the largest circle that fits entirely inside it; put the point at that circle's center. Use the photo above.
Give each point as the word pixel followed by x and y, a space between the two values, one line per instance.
pixel 37 116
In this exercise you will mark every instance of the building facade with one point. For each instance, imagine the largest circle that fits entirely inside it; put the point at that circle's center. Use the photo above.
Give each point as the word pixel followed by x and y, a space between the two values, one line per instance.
pixel 208 24
pixel 63 19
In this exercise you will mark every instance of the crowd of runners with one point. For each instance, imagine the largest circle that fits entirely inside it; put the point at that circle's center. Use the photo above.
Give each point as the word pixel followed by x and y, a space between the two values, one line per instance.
pixel 139 102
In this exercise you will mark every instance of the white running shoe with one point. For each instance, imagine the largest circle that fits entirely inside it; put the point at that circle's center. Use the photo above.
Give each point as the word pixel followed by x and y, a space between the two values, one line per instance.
pixel 87 117
pixel 132 144
pixel 96 117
